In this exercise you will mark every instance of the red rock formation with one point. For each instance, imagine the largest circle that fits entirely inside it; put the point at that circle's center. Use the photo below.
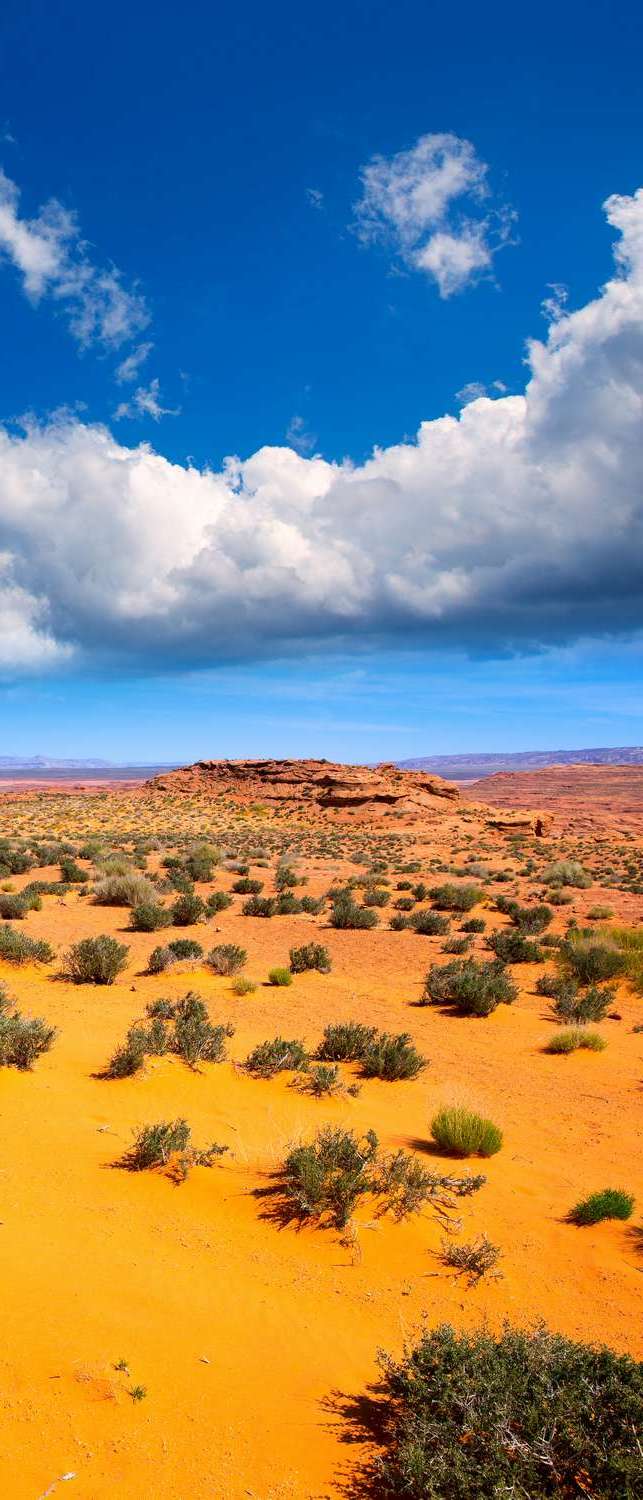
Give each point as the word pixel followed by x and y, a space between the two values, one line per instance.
pixel 315 783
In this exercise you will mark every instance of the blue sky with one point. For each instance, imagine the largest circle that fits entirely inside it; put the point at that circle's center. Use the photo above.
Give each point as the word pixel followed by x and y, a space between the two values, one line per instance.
pixel 329 226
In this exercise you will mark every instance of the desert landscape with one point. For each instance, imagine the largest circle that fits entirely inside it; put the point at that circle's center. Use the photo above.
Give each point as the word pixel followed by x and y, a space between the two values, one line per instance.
pixel 195 1303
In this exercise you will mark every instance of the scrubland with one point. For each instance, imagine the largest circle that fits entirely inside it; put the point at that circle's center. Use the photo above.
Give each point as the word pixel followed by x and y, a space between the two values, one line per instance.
pixel 310 1135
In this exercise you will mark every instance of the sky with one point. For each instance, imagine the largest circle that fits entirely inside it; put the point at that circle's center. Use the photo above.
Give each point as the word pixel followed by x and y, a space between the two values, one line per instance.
pixel 321 394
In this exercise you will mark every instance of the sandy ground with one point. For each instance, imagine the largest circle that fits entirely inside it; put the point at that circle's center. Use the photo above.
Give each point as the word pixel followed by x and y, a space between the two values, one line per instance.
pixel 249 1338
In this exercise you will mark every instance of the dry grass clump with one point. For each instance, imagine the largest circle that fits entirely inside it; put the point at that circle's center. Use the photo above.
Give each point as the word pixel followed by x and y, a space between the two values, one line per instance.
pixel 460 1132
pixel 575 1039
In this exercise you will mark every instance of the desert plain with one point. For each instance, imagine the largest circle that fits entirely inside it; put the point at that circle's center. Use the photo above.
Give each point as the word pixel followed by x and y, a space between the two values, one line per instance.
pixel 181 1335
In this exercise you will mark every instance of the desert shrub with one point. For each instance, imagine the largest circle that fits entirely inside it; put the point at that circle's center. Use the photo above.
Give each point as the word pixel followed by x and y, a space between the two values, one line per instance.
pixel 512 947
pixel 474 924
pixel 182 948
pixel 149 916
pixel 218 901
pixel 287 905
pixel 346 913
pixel 576 1037
pixel 310 956
pixel 556 987
pixel 376 896
pixel 599 913
pixel 13 907
pixel 163 1010
pixel 475 1259
pixel 347 1041
pixel 157 1042
pixel 155 1144
pixel 428 923
pixel 276 1056
pixel 406 1185
pixel 609 1203
pixel 461 1132
pixel 17 948
pixel 328 1176
pixel 160 959
pixel 96 960
pixel 399 923
pixel 259 906
pixel 127 889
pixel 566 872
pixel 457 945
pixel 128 1059
pixel 473 988
pixel 312 905
pixel 23 1039
pixel 188 909
pixel 279 977
pixel 530 920
pixel 592 1005
pixel 286 877
pixel 247 887
pixel 472 1414
pixel 323 1080
pixel 590 959
pixel 71 873
pixel 200 862
pixel 392 1058
pixel 226 958
pixel 456 897
pixel 243 986
pixel 195 1038
pixel 404 903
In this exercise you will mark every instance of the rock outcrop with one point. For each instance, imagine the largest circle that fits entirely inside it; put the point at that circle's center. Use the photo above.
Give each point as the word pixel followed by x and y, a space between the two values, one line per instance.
pixel 313 784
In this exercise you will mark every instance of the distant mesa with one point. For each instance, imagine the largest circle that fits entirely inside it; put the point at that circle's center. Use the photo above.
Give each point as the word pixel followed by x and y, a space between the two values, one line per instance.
pixel 312 784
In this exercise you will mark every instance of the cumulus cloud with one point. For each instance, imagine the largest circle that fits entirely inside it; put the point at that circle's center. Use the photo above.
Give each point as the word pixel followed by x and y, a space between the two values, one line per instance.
pixel 53 261
pixel 432 206
pixel 516 524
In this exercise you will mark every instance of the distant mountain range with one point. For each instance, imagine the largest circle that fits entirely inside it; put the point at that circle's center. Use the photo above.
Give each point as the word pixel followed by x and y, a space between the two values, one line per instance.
pixel 49 763
pixel 473 766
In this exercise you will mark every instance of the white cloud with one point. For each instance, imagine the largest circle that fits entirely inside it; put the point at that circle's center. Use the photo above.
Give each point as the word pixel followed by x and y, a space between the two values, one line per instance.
pixel 145 403
pixel 130 366
pixel 53 260
pixel 298 436
pixel 517 524
pixel 414 201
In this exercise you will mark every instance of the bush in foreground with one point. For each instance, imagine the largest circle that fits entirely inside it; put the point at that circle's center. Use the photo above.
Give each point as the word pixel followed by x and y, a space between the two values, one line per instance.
pixel 97 960
pixel 609 1203
pixel 469 1414
pixel 461 1132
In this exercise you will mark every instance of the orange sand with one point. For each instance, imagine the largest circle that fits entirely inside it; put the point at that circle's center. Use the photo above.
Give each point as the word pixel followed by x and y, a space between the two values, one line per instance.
pixel 246 1336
